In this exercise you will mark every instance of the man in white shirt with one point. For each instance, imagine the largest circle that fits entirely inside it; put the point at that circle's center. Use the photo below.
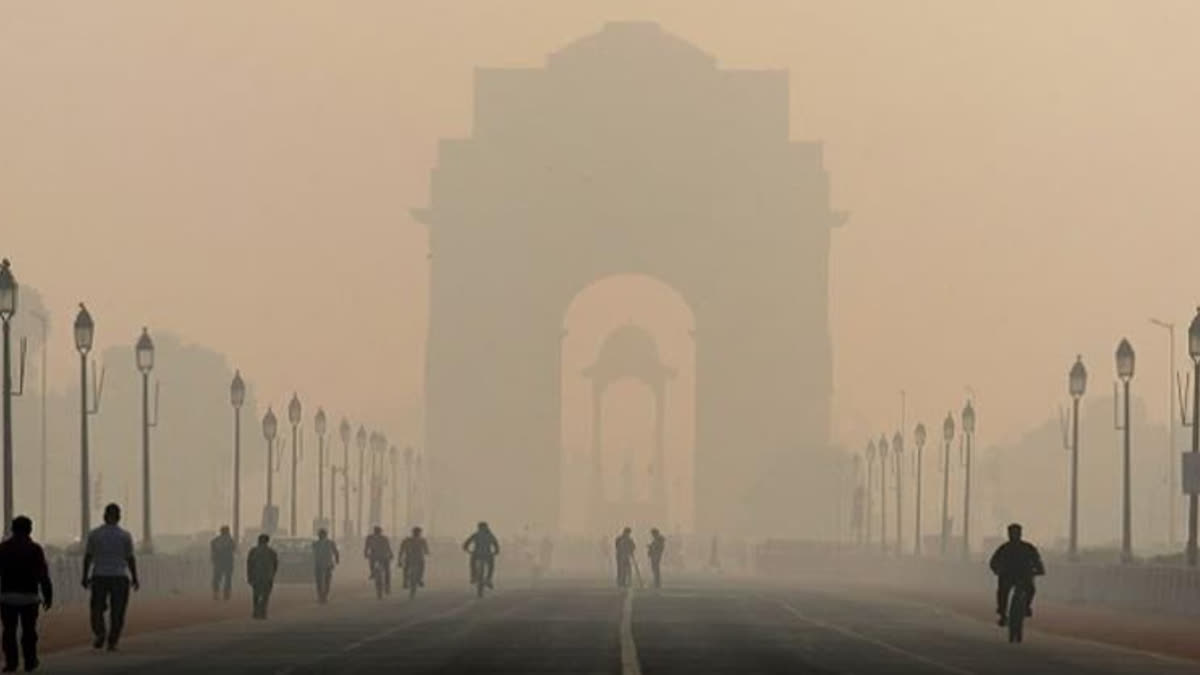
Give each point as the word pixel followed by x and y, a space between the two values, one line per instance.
pixel 109 557
pixel 325 557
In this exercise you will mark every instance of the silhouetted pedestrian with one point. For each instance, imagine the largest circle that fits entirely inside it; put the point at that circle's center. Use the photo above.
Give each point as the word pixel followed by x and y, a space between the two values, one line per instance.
pixel 625 547
pixel 483 547
pixel 325 558
pixel 23 573
pixel 109 558
pixel 221 549
pixel 261 565
pixel 658 546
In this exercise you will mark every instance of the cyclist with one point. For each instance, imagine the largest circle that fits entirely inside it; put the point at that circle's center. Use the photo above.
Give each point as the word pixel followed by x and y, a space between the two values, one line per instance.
pixel 1015 562
pixel 412 558
pixel 378 552
pixel 483 547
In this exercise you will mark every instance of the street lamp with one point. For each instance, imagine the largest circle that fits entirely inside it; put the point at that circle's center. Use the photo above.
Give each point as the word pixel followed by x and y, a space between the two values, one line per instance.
pixel 361 440
pixel 919 439
pixel 237 396
pixel 870 452
pixel 898 450
pixel 270 427
pixel 294 419
pixel 408 486
pixel 344 432
pixel 1194 352
pixel 1076 386
pixel 947 436
pixel 144 352
pixel 319 424
pixel 968 423
pixel 85 331
pixel 1125 360
pixel 8 307
pixel 883 450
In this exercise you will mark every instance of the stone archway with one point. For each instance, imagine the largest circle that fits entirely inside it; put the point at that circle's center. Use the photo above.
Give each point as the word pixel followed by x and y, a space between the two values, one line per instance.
pixel 630 153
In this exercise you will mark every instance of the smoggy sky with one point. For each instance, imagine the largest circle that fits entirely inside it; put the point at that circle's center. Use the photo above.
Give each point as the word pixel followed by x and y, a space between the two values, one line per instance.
pixel 1021 179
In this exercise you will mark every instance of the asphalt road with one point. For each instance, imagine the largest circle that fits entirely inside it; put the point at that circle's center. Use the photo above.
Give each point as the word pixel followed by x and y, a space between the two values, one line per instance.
pixel 582 628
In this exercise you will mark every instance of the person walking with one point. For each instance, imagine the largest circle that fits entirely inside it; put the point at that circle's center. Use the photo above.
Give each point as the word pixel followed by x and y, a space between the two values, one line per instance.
pixel 109 571
pixel 625 547
pixel 325 558
pixel 261 565
pixel 23 574
pixel 221 549
pixel 658 546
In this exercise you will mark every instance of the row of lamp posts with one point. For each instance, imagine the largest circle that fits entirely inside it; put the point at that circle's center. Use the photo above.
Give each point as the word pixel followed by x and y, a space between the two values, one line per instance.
pixel 374 441
pixel 84 333
pixel 880 450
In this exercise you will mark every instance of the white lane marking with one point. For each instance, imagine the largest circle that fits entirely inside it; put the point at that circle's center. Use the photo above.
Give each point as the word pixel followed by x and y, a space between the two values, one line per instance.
pixel 874 641
pixel 629 656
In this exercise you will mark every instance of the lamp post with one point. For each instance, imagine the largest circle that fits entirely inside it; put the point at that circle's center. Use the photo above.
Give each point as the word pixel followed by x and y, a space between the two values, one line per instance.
pixel 237 396
pixel 84 334
pixel 393 457
pixel 1076 386
pixel 361 440
pixel 870 452
pixel 898 451
pixel 319 424
pixel 8 307
pixel 270 427
pixel 1193 505
pixel 1125 361
pixel 145 363
pixel 919 439
pixel 947 436
pixel 408 486
pixel 968 424
pixel 883 450
pixel 1172 496
pixel 294 419
pixel 344 433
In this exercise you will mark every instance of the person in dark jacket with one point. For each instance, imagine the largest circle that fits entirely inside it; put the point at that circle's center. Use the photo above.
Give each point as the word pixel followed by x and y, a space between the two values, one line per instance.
pixel 222 548
pixel 1015 562
pixel 261 565
pixel 23 575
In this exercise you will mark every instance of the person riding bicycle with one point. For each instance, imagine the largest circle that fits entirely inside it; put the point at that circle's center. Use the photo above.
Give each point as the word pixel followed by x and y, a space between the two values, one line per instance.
pixel 1015 562
pixel 483 547
pixel 378 552
pixel 412 557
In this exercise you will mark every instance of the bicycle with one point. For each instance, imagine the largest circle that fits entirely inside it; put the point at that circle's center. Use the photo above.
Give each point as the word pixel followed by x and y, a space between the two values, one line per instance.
pixel 411 580
pixel 379 575
pixel 479 574
pixel 1018 605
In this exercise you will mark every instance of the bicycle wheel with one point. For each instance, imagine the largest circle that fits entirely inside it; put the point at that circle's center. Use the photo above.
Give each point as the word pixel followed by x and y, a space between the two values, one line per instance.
pixel 1016 615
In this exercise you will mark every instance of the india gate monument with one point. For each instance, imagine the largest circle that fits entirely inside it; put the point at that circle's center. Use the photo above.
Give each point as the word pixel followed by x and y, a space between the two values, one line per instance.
pixel 631 152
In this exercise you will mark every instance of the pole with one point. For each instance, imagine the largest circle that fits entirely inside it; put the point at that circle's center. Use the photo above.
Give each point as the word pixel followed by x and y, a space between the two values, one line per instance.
pixel 1073 541
pixel 1127 515
pixel 1172 496
pixel 43 511
pixel 408 489
pixel 333 526
pixel 146 540
pixel 946 498
pixel 917 529
pixel 8 450
pixel 358 526
pixel 883 502
pixel 1193 503
pixel 237 473
pixel 899 509
pixel 346 483
pixel 321 477
pixel 84 479
pixel 966 543
pixel 292 532
pixel 867 510
pixel 270 471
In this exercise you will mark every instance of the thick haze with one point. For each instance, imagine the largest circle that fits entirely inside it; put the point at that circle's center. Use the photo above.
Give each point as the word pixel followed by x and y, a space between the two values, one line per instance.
pixel 1019 177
